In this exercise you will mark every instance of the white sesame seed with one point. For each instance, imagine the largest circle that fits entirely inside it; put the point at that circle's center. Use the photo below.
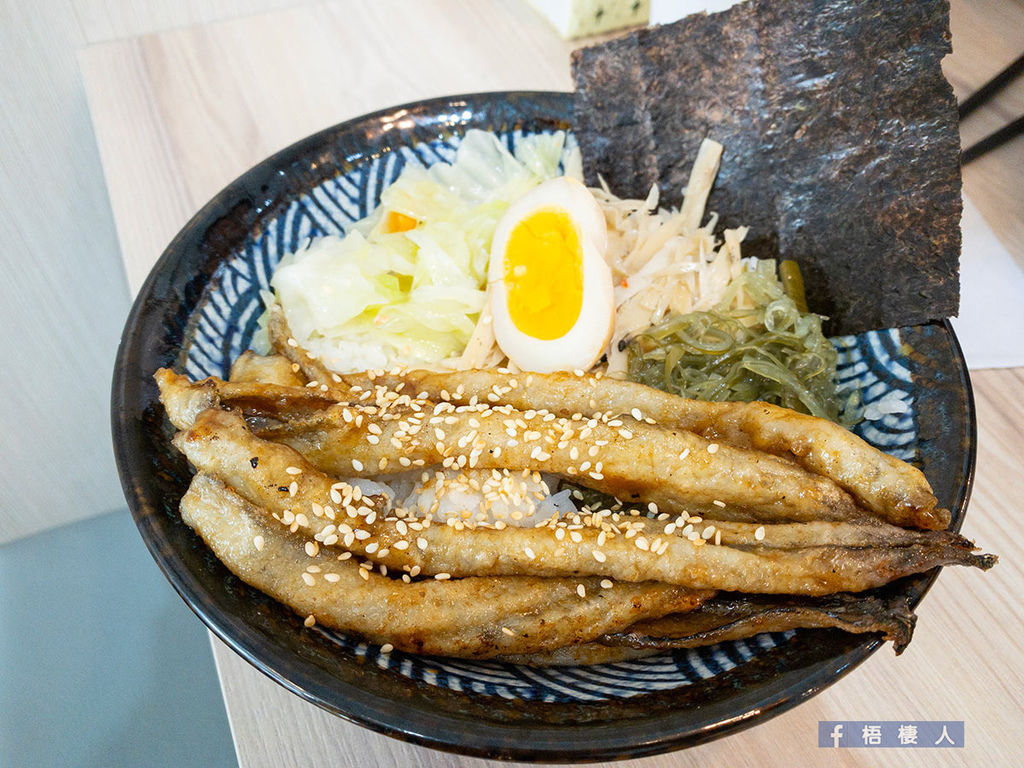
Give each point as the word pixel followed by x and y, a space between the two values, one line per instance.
pixel 508 631
pixel 332 577
pixel 293 488
pixel 599 555
pixel 312 548
pixel 529 553
pixel 365 576
pixel 636 414
pixel 308 578
pixel 310 620
pixel 293 470
pixel 357 465
pixel 257 541
pixel 387 648
pixel 759 533
pixel 713 448
pixel 581 590
pixel 718 503
pixel 442 576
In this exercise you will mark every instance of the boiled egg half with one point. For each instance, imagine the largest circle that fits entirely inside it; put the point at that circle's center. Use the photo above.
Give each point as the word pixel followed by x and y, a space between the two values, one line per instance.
pixel 550 287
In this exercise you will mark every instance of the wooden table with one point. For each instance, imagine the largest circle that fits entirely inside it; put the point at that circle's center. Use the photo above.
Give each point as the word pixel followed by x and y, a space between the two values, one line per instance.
pixel 181 113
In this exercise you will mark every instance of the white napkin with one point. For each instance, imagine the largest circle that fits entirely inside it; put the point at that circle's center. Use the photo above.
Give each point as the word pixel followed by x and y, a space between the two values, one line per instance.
pixel 991 322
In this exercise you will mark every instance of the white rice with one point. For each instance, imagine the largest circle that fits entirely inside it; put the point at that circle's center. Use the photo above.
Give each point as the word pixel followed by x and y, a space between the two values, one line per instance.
pixel 473 495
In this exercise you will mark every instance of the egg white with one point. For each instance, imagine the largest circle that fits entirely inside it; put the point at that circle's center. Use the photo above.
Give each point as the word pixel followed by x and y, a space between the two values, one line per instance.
pixel 583 344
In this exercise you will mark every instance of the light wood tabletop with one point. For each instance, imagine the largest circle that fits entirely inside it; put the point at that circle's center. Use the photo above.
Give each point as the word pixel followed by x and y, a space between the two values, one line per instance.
pixel 180 113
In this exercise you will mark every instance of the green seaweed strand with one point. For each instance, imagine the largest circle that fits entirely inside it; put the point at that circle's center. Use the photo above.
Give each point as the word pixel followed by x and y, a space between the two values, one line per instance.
pixel 772 351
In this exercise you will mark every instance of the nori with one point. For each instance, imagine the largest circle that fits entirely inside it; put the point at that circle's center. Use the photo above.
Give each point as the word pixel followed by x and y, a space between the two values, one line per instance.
pixel 841 142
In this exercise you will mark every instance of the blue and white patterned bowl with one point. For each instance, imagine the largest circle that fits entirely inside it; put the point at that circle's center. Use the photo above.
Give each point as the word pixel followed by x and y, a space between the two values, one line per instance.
pixel 198 312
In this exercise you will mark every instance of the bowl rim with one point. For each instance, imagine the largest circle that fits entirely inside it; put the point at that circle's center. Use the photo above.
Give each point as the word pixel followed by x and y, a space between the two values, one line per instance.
pixel 460 734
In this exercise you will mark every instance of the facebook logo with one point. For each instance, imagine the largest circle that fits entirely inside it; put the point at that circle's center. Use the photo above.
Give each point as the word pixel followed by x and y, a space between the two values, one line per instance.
pixel 834 734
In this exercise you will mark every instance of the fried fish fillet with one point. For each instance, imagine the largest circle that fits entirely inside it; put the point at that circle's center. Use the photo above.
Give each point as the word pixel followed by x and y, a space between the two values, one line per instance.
pixel 892 489
pixel 474 617
pixel 733 617
pixel 278 479
pixel 267 403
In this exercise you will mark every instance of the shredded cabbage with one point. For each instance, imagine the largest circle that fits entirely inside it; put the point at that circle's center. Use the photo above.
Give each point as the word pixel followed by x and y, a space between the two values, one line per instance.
pixel 375 296
pixel 755 344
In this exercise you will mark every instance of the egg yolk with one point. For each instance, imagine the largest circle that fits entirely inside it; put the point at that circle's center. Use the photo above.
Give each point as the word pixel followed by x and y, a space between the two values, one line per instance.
pixel 544 274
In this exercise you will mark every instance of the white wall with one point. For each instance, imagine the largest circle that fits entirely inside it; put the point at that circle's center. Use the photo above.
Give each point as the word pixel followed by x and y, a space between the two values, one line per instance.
pixel 63 295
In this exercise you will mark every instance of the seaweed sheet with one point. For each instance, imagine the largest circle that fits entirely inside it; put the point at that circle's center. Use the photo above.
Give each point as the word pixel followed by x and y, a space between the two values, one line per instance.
pixel 841 141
